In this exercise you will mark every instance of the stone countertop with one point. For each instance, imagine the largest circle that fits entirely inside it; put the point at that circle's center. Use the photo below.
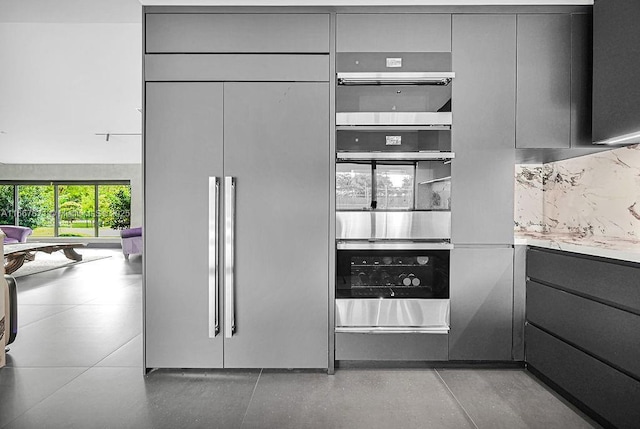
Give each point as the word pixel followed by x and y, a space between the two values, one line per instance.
pixel 613 248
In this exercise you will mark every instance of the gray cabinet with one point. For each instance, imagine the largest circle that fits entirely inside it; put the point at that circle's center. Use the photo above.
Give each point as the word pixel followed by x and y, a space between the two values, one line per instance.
pixel 616 60
pixel 484 60
pixel 481 293
pixel 583 330
pixel 581 79
pixel 393 32
pixel 544 81
pixel 236 33
pixel 273 138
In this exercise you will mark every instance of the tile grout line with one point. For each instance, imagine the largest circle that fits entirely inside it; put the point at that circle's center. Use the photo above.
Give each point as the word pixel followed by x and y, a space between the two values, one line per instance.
pixel 251 399
pixel 48 396
pixel 71 307
pixel 456 399
pixel 95 365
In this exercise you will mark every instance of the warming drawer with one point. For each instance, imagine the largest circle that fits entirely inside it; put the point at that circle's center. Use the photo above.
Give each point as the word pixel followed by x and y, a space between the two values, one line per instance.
pixel 428 316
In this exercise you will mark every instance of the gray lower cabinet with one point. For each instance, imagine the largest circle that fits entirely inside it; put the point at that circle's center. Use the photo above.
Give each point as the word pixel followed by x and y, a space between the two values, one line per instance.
pixel 481 304
pixel 272 138
pixel 583 331
pixel 483 130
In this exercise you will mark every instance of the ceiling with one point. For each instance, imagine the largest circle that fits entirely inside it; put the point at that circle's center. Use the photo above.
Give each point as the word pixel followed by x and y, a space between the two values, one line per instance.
pixel 71 69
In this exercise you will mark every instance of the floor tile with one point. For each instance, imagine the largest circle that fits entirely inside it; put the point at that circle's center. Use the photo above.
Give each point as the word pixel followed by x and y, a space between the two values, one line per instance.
pixel 22 388
pixel 123 397
pixel 80 336
pixel 510 399
pixel 129 355
pixel 28 314
pixel 354 399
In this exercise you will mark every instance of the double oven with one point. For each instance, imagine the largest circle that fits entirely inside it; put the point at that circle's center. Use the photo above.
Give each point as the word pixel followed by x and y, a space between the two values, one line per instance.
pixel 393 192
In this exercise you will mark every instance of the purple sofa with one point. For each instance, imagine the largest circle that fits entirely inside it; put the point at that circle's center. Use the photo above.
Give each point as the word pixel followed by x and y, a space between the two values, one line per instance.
pixel 15 234
pixel 131 241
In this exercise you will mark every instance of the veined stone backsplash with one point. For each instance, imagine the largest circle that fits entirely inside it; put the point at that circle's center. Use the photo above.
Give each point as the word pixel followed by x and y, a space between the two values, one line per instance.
pixel 591 197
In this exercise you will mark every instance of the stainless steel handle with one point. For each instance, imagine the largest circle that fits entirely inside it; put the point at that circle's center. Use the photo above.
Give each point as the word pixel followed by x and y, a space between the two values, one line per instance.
pixel 214 216
pixel 229 256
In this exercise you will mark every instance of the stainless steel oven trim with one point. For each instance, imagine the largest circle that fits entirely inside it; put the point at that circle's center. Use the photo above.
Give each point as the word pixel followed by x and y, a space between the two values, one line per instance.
pixel 387 330
pixel 395 156
pixel 378 225
pixel 393 118
pixel 397 78
pixel 393 245
pixel 392 315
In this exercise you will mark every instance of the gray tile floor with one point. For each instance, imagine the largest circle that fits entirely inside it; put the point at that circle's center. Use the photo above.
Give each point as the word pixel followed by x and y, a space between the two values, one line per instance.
pixel 77 363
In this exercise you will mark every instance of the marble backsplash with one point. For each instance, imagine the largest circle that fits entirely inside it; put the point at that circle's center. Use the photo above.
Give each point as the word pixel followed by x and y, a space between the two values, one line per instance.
pixel 593 198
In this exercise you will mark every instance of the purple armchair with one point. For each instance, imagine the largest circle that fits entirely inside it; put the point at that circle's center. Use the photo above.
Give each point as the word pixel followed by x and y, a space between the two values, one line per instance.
pixel 15 234
pixel 131 241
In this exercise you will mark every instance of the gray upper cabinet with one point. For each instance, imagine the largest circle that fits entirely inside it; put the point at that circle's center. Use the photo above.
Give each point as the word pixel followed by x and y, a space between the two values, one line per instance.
pixel 616 60
pixel 395 32
pixel 482 134
pixel 237 33
pixel 544 81
pixel 581 79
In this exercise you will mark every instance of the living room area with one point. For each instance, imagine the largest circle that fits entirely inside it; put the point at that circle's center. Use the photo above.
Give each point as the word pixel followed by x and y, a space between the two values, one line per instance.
pixel 70 128
pixel 70 183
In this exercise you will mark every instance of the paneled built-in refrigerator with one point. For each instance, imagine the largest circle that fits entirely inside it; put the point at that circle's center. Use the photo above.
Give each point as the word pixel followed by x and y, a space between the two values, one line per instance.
pixel 236 224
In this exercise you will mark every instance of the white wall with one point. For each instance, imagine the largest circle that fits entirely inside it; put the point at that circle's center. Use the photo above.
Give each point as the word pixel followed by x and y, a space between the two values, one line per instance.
pixel 61 83
pixel 131 172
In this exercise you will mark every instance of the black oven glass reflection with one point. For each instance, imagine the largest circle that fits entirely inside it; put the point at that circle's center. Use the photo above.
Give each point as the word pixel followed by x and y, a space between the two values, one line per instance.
pixel 392 274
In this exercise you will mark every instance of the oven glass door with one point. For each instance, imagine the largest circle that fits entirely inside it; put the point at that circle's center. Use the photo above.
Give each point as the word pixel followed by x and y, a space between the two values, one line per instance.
pixel 392 274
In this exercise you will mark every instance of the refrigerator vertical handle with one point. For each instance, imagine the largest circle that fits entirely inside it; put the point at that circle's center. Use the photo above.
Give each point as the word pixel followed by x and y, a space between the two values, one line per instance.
pixel 229 256
pixel 214 217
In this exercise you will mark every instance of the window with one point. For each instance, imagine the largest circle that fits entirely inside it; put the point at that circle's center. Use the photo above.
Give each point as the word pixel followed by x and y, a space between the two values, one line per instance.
pixel 76 210
pixel 67 209
pixel 114 209
pixel 36 209
pixel 7 202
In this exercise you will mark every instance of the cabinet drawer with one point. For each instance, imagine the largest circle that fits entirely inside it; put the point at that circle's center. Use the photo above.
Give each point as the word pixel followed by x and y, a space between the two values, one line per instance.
pixel 610 282
pixel 391 346
pixel 237 33
pixel 394 32
pixel 608 392
pixel 609 333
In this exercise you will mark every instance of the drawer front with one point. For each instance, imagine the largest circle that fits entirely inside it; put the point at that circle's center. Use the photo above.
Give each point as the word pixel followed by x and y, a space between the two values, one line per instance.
pixel 370 32
pixel 236 67
pixel 608 392
pixel 237 33
pixel 404 347
pixel 609 333
pixel 610 282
